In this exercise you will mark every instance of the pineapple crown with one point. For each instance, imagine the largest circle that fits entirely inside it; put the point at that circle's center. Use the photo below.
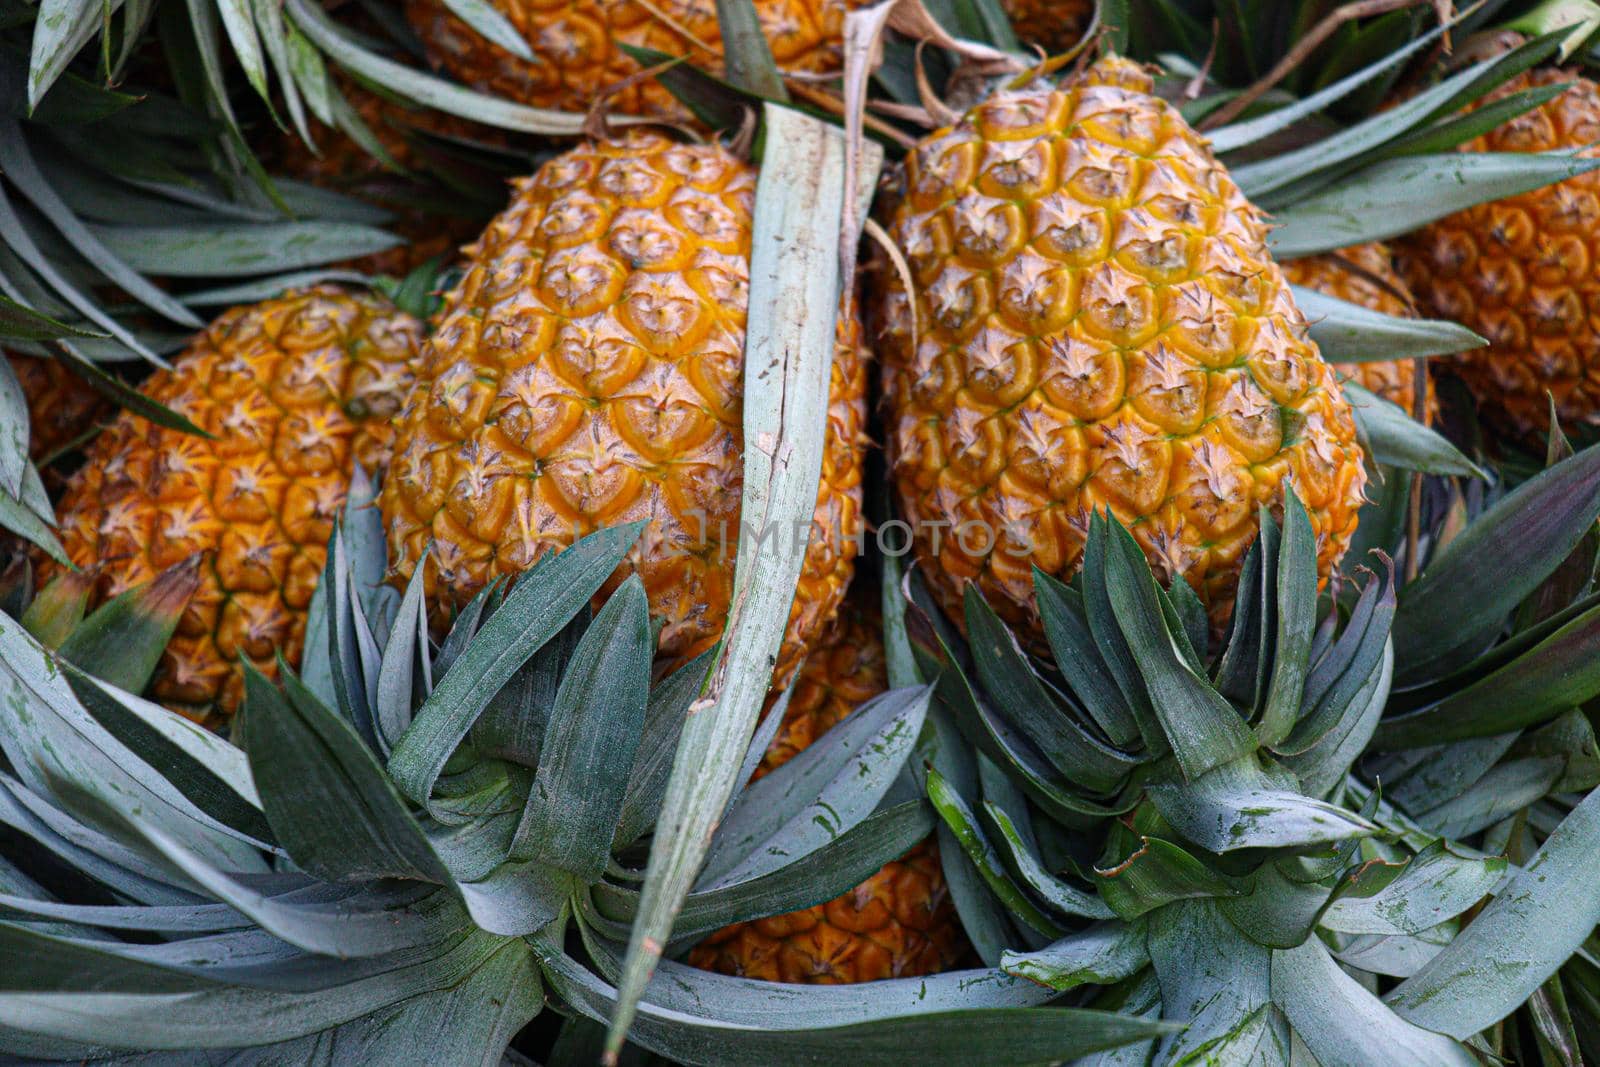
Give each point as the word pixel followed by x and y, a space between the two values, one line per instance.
pixel 416 845
pixel 1194 829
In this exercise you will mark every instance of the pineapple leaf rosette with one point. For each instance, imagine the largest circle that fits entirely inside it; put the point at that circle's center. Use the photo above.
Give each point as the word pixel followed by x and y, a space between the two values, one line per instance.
pixel 1453 757
pixel 291 896
pixel 1221 867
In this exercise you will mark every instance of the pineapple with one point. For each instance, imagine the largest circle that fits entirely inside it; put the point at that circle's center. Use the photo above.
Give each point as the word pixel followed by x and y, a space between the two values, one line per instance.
pixel 1113 338
pixel 586 371
pixel 579 46
pixel 1520 272
pixel 295 390
pixel 1364 274
pixel 344 166
pixel 899 923
pixel 62 408
pixel 1053 25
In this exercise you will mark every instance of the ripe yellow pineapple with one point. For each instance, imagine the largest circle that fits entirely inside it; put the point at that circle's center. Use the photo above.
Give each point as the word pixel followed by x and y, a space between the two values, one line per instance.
pixel 1521 272
pixel 1364 274
pixel 900 923
pixel 61 406
pixel 1101 328
pixel 579 45
pixel 1054 25
pixel 344 166
pixel 294 390
pixel 588 371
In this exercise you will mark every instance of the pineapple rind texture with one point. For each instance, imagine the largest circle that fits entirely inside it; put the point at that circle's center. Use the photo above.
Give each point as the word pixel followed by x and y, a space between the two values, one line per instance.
pixel 899 923
pixel 61 406
pixel 1373 283
pixel 579 46
pixel 294 390
pixel 587 371
pixel 1521 272
pixel 1101 328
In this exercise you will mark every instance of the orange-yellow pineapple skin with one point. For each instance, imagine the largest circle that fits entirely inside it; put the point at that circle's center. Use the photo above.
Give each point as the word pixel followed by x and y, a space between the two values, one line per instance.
pixel 342 165
pixel 294 390
pixel 1521 272
pixel 587 371
pixel 1054 25
pixel 1101 328
pixel 579 46
pixel 61 406
pixel 900 923
pixel 1364 274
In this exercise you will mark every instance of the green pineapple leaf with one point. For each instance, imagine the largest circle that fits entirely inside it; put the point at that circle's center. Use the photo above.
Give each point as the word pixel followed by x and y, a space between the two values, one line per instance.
pixel 590 741
pixel 1241 134
pixel 1021 695
pixel 1446 618
pixel 1385 899
pixel 1397 196
pixel 823 791
pixel 1071 643
pixel 1350 333
pixel 1103 954
pixel 746 53
pixel 819 876
pixel 1394 439
pixel 23 323
pixel 1529 929
pixel 207 771
pixel 534 611
pixel 491 22
pixel 663 721
pixel 48 737
pixel 405 670
pixel 59 607
pixel 123 640
pixel 325 795
pixel 1154 874
pixel 1218 979
pixel 956 1017
pixel 1204 730
pixel 1338 1018
pixel 1556 674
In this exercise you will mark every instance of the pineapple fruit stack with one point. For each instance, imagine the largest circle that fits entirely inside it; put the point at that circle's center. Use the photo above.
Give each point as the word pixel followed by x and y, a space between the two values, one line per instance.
pixel 1130 478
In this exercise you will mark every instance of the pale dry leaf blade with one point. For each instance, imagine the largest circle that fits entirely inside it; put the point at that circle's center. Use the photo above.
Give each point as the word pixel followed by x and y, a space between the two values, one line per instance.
pixel 794 272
